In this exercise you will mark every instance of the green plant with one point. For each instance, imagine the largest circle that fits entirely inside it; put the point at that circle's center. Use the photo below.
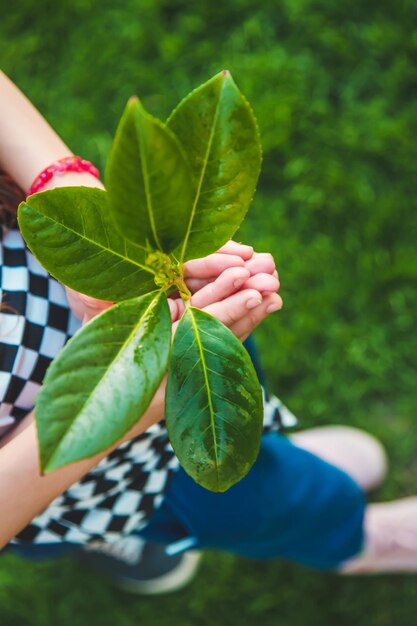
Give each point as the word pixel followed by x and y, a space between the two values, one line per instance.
pixel 174 191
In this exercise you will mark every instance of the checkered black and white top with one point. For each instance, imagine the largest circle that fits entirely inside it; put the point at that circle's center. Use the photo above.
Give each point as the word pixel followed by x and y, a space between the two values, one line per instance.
pixel 121 493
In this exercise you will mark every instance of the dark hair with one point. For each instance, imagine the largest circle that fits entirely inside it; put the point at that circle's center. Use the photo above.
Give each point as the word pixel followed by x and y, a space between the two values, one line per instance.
pixel 10 197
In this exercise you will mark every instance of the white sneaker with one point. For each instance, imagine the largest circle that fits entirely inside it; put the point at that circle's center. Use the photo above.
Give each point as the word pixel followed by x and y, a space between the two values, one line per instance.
pixel 391 539
pixel 356 452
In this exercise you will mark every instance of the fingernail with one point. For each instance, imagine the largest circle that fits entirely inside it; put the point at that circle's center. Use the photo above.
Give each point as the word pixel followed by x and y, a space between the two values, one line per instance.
pixel 253 302
pixel 272 308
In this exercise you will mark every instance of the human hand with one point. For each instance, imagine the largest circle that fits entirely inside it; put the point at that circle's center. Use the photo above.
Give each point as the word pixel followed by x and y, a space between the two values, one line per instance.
pixel 238 288
pixel 84 307
pixel 236 285
pixel 198 274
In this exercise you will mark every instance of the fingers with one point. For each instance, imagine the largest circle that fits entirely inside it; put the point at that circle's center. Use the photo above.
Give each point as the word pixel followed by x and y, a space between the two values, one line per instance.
pixel 93 307
pixel 84 307
pixel 211 266
pixel 195 284
pixel 240 310
pixel 74 302
pixel 262 282
pixel 199 272
pixel 261 262
pixel 243 311
pixel 229 281
pixel 225 285
pixel 239 249
pixel 236 306
pixel 245 326
pixel 173 308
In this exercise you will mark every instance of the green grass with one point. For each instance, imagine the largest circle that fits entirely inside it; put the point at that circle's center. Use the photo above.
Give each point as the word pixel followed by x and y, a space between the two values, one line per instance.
pixel 226 591
pixel 333 87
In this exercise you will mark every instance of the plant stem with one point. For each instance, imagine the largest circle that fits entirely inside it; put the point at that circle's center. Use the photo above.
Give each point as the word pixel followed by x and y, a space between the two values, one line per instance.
pixel 184 292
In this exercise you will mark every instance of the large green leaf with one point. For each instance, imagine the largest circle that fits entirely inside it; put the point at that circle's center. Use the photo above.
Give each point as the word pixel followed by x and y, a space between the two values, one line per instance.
pixel 149 181
pixel 217 128
pixel 103 380
pixel 70 232
pixel 213 402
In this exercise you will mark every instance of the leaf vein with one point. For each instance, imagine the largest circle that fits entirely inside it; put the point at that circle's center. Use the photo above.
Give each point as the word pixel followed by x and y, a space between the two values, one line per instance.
pixel 201 179
pixel 207 384
pixel 108 370
pixel 95 243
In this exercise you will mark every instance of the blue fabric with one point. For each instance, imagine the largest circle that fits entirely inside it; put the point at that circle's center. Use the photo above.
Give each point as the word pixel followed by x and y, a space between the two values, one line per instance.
pixel 253 353
pixel 40 551
pixel 291 505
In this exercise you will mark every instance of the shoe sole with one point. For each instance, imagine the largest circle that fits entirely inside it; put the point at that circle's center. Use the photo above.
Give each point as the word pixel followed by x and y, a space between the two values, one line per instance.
pixel 168 583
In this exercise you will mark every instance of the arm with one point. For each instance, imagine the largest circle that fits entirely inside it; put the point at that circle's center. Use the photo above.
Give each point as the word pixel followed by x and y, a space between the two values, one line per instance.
pixel 28 144
pixel 24 493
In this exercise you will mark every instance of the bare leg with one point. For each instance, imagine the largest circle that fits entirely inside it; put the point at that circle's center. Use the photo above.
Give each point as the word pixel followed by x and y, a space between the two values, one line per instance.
pixel 391 539
pixel 356 452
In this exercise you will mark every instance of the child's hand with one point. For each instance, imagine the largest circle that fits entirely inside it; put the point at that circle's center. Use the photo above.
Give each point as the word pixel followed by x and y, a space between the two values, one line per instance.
pixel 236 285
pixel 84 307
pixel 198 273
pixel 201 272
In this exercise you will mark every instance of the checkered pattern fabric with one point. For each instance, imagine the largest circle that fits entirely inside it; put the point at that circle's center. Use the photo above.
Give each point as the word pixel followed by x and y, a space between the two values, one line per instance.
pixel 35 323
pixel 121 493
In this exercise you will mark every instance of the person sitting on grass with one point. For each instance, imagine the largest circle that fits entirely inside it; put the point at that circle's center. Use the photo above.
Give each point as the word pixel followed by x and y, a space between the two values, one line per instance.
pixel 132 509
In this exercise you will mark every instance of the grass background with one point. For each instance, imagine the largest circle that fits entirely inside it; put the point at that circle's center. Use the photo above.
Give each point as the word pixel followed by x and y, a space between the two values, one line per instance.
pixel 334 88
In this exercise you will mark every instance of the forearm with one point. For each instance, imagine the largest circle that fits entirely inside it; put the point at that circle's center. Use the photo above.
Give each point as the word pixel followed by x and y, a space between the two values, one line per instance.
pixel 24 493
pixel 28 144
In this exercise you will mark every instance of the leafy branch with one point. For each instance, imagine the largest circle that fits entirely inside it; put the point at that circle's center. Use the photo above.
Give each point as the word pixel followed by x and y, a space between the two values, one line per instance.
pixel 174 191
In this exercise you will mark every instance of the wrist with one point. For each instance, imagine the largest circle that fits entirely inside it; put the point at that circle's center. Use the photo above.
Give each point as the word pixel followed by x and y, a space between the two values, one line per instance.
pixel 73 179
pixel 57 174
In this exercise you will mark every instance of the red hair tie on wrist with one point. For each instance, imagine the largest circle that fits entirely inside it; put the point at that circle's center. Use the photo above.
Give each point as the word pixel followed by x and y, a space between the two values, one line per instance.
pixel 60 167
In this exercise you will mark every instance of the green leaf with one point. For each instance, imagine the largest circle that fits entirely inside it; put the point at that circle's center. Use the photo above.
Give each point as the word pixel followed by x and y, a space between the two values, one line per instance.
pixel 217 128
pixel 213 403
pixel 149 181
pixel 103 380
pixel 70 232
